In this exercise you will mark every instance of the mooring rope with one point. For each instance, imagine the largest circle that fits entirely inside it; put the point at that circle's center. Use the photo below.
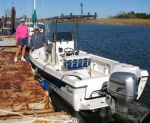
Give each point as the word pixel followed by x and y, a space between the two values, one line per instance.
pixel 72 120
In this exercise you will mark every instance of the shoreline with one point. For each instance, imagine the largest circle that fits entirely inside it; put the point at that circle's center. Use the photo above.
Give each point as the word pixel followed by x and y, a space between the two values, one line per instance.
pixel 131 22
pixel 112 21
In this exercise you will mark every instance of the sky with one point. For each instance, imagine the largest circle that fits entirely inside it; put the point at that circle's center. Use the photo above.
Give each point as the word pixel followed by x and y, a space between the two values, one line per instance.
pixel 51 8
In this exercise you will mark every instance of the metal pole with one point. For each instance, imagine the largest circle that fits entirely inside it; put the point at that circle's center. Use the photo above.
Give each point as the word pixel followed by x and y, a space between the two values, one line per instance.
pixel 34 10
pixel 34 4
pixel 52 40
pixel 77 34
pixel 55 41
pixel 43 9
pixel 90 70
pixel 29 12
pixel 20 12
pixel 4 10
pixel 81 4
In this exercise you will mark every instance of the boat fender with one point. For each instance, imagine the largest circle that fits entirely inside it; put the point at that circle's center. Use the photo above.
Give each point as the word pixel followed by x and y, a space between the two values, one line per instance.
pixel 45 86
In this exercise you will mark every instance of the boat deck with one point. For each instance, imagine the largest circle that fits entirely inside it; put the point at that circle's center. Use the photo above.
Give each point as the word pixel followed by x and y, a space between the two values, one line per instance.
pixel 20 93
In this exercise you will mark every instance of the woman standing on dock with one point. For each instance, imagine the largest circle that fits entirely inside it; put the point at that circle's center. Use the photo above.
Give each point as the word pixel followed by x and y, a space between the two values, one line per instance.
pixel 22 37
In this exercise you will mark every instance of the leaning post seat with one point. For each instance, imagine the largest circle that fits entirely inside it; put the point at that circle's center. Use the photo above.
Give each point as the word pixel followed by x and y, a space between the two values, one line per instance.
pixel 71 62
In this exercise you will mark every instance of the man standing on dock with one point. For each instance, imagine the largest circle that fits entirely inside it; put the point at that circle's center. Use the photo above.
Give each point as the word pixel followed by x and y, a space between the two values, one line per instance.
pixel 22 36
pixel 37 42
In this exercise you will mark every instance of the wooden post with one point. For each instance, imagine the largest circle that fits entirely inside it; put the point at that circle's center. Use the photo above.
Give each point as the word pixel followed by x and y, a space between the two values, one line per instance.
pixel 48 103
pixel 88 15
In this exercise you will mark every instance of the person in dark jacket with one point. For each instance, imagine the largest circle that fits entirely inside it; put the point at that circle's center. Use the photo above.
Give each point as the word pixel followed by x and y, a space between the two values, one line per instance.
pixel 38 43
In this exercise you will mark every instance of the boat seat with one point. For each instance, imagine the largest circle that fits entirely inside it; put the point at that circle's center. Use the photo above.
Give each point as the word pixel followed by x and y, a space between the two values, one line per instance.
pixel 71 62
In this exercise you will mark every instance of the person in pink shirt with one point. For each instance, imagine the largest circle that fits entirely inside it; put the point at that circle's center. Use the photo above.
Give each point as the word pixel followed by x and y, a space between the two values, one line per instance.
pixel 22 36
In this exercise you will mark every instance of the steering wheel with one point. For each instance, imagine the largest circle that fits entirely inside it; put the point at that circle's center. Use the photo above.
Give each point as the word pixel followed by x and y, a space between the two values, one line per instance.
pixel 69 51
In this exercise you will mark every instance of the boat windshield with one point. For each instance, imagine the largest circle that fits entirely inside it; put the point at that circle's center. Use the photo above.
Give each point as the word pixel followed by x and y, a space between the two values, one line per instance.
pixel 63 36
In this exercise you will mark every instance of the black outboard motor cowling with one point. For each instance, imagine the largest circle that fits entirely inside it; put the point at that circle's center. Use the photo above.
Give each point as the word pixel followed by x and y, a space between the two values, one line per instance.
pixel 122 88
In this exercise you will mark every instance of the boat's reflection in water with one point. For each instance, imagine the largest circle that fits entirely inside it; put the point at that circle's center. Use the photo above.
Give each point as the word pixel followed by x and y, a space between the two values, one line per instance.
pixel 104 115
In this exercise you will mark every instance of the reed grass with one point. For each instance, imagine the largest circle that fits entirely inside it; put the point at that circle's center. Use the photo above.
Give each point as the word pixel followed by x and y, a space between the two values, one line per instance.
pixel 142 22
pixel 112 21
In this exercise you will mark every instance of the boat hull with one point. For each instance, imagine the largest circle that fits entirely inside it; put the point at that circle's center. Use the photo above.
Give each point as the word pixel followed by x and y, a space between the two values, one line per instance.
pixel 75 96
pixel 82 90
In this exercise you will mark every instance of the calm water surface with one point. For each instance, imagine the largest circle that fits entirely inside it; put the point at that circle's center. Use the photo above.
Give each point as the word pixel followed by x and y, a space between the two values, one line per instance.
pixel 126 44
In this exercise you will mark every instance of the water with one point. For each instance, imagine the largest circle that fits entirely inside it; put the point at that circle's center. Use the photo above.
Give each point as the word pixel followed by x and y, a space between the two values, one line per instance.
pixel 126 44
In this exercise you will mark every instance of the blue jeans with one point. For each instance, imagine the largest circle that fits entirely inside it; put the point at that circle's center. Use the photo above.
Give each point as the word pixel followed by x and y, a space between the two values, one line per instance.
pixel 23 41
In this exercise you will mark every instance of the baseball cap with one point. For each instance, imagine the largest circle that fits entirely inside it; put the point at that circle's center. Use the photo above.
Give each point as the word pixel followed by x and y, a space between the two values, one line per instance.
pixel 22 20
pixel 36 27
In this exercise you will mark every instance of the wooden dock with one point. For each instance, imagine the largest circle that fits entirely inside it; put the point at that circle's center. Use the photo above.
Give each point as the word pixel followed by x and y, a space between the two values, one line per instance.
pixel 20 94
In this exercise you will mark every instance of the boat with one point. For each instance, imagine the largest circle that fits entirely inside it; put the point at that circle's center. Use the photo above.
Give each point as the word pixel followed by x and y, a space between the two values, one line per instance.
pixel 86 81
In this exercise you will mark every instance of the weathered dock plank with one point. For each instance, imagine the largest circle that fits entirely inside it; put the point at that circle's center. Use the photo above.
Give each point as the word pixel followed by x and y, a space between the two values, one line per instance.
pixel 17 83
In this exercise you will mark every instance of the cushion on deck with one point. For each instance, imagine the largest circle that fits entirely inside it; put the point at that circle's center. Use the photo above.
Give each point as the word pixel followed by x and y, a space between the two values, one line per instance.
pixel 71 62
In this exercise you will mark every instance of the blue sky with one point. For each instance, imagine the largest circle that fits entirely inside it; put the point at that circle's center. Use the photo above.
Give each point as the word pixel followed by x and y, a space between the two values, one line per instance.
pixel 104 8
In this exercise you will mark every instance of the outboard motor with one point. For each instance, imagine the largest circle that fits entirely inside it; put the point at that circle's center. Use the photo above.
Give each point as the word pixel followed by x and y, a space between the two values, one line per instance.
pixel 122 88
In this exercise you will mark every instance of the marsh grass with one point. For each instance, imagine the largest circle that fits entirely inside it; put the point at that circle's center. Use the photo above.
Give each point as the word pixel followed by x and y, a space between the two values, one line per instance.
pixel 143 22
pixel 112 21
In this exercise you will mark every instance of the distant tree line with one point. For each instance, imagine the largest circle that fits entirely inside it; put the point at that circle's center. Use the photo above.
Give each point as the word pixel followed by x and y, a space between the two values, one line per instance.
pixel 132 15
